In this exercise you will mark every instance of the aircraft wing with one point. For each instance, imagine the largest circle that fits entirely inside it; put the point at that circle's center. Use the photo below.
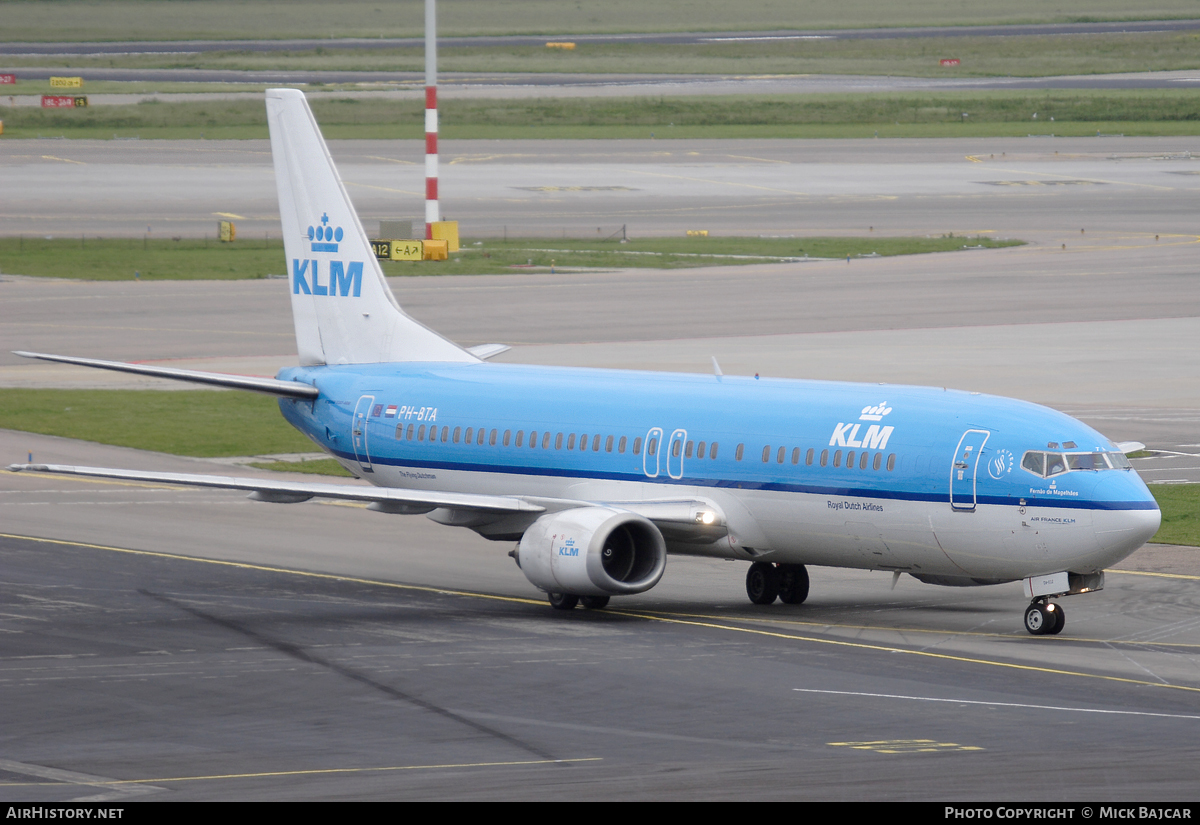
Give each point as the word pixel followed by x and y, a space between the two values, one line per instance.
pixel 289 492
pixel 688 520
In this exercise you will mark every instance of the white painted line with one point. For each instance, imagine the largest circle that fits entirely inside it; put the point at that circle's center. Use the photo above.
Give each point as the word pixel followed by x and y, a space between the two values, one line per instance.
pixel 999 704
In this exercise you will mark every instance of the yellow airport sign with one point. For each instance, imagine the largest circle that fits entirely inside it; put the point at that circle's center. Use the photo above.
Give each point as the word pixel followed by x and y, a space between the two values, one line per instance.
pixel 66 82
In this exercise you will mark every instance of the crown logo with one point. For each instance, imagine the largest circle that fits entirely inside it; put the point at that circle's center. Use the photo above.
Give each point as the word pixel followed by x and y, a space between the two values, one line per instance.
pixel 875 413
pixel 325 238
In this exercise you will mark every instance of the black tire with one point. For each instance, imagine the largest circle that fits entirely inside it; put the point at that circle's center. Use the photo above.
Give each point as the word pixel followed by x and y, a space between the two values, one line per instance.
pixel 762 583
pixel 1060 618
pixel 563 601
pixel 594 602
pixel 793 583
pixel 1037 621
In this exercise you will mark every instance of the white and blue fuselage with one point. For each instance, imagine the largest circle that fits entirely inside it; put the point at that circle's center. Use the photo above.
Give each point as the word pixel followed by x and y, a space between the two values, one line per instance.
pixel 923 480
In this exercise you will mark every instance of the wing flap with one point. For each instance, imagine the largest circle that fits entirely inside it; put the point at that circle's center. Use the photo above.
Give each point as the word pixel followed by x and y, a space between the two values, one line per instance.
pixel 290 491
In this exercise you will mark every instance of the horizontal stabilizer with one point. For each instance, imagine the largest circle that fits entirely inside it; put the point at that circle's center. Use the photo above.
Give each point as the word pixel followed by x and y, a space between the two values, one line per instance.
pixel 486 351
pixel 270 386
pixel 291 491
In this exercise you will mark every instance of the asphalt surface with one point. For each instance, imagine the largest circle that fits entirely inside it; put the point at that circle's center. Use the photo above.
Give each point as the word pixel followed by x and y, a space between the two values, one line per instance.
pixel 161 643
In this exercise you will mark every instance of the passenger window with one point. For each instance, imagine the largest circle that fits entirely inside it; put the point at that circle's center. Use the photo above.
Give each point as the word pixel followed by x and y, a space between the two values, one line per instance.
pixel 558 441
pixel 824 457
pixel 875 465
pixel 808 458
pixel 546 440
pixel 595 444
pixel 652 447
pixel 687 451
pixel 849 460
pixel 571 441
pixel 399 432
pixel 675 448
pixel 700 450
pixel 532 439
pixel 837 458
pixel 507 437
pixel 637 446
pixel 469 436
pixel 766 453
pixel 583 441
pixel 492 439
pixel 520 437
pixel 621 445
pixel 608 442
pixel 779 455
pixel 891 465
pixel 482 434
pixel 712 450
pixel 445 434
pixel 795 455
pixel 421 433
pixel 457 434
pixel 737 454
pixel 862 460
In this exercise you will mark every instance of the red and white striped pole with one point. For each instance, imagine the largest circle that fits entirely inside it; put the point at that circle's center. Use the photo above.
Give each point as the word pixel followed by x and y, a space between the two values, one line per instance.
pixel 431 119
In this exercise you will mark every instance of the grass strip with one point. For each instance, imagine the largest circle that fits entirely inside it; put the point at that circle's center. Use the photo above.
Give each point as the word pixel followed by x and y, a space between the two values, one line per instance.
pixel 123 259
pixel 88 20
pixel 1012 56
pixel 1180 505
pixel 1000 113
pixel 201 423
pixel 151 259
pixel 316 466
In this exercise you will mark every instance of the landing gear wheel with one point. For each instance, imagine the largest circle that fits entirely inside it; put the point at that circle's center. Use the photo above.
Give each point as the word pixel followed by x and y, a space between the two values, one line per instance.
pixel 1038 620
pixel 793 583
pixel 1060 619
pixel 563 601
pixel 594 602
pixel 762 583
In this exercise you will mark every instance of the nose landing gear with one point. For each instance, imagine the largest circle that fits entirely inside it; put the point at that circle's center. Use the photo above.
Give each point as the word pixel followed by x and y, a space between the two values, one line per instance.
pixel 1045 618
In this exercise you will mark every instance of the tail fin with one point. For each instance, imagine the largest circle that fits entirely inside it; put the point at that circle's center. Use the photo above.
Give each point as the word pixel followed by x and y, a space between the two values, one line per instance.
pixel 341 305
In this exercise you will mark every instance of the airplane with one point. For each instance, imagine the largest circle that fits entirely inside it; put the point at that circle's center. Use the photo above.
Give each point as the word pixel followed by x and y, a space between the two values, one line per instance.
pixel 599 475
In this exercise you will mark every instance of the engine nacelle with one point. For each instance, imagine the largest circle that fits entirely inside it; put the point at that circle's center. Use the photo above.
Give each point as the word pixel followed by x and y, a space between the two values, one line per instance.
pixel 593 551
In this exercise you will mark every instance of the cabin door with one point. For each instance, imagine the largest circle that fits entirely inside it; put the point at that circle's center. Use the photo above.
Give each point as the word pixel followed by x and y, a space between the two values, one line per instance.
pixel 650 456
pixel 358 431
pixel 962 469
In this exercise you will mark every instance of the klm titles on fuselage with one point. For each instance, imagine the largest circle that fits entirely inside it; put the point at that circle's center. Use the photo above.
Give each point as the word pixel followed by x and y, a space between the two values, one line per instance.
pixel 875 438
pixel 343 279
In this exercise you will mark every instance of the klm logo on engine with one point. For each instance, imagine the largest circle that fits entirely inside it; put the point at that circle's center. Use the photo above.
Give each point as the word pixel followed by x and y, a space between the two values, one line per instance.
pixel 876 436
pixel 568 548
pixel 343 279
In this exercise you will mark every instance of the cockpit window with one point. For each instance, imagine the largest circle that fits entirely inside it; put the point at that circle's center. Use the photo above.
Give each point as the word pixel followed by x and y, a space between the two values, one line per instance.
pixel 1051 464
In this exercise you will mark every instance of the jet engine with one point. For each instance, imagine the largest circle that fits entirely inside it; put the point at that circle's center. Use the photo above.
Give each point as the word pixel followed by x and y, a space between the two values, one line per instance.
pixel 592 551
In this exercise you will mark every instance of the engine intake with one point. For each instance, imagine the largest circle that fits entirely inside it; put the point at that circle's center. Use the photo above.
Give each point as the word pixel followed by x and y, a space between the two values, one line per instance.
pixel 593 551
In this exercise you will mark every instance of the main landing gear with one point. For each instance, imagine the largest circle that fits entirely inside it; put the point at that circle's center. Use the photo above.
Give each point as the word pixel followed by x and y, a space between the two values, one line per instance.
pixel 1045 618
pixel 766 582
pixel 567 601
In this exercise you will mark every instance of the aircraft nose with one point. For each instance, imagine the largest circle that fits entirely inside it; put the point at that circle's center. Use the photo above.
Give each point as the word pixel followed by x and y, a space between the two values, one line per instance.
pixel 1132 516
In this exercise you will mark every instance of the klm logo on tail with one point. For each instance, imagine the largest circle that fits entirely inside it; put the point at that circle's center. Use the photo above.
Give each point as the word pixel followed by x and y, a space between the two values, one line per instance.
pixel 343 279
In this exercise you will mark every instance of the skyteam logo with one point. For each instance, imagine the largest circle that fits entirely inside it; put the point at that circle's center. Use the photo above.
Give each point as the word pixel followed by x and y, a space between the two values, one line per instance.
pixel 344 278
pixel 1000 464
pixel 875 438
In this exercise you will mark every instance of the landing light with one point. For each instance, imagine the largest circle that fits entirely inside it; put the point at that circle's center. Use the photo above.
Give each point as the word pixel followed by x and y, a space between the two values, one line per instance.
pixel 707 517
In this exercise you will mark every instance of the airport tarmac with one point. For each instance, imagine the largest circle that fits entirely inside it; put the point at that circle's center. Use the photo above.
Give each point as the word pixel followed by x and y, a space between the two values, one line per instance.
pixel 162 643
